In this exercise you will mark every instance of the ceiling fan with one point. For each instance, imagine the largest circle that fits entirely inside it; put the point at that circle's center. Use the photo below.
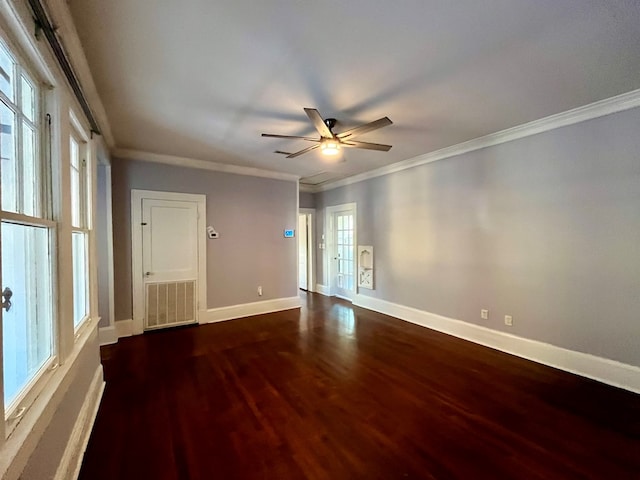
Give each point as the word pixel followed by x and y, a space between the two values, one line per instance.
pixel 330 143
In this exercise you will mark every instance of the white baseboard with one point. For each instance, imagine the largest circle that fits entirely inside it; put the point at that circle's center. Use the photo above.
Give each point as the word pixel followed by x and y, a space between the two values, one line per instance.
pixel 602 369
pixel 124 328
pixel 107 335
pixel 322 289
pixel 247 309
pixel 71 461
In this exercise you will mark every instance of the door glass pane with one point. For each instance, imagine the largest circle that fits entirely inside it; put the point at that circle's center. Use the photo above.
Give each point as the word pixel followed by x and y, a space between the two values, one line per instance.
pixel 7 152
pixel 28 99
pixel 6 73
pixel 29 175
pixel 80 277
pixel 27 328
pixel 344 250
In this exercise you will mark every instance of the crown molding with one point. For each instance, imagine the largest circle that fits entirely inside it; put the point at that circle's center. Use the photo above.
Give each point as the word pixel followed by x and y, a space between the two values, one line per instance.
pixel 128 154
pixel 307 188
pixel 598 109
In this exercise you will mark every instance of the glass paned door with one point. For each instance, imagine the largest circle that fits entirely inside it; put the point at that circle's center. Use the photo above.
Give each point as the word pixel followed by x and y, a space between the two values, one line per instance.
pixel 344 243
pixel 27 324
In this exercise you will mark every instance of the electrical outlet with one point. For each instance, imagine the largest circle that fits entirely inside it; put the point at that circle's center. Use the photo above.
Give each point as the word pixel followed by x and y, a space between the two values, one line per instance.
pixel 484 314
pixel 259 290
pixel 508 320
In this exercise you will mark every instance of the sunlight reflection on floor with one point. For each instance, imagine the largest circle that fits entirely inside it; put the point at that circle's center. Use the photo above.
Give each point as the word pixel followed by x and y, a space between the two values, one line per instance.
pixel 346 320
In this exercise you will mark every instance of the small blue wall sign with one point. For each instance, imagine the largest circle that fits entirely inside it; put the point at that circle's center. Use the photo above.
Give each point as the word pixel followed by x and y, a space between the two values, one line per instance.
pixel 289 233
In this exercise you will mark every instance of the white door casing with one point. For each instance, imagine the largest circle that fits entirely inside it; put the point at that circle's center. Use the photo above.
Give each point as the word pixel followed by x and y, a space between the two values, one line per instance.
pixel 168 258
pixel 310 214
pixel 303 269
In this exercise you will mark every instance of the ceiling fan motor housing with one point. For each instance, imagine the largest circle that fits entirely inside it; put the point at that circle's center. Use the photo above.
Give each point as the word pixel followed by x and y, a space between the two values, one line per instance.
pixel 330 123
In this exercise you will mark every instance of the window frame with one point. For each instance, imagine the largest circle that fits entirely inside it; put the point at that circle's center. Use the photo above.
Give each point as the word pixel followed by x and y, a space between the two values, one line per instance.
pixel 78 134
pixel 21 71
pixel 42 218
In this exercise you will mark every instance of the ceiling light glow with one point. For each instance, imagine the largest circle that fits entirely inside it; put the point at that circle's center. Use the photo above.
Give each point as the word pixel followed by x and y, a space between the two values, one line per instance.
pixel 330 147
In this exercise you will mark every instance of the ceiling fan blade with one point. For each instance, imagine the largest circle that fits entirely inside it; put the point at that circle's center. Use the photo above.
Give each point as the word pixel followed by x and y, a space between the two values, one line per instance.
pixel 367 127
pixel 302 152
pixel 291 137
pixel 318 122
pixel 366 145
pixel 282 152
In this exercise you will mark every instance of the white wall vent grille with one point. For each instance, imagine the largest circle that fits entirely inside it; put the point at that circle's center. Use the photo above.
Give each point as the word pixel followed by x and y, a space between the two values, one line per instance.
pixel 169 304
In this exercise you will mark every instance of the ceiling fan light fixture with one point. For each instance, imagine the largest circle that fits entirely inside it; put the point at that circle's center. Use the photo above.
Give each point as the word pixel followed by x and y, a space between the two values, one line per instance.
pixel 330 147
pixel 330 143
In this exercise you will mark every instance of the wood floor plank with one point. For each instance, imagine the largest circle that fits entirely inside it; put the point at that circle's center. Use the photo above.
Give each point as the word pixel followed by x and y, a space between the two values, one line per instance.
pixel 337 392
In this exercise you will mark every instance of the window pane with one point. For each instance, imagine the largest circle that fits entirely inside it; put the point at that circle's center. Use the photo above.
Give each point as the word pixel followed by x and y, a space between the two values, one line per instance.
pixel 7 153
pixel 75 153
pixel 80 277
pixel 75 184
pixel 75 197
pixel 29 174
pixel 27 328
pixel 28 99
pixel 6 73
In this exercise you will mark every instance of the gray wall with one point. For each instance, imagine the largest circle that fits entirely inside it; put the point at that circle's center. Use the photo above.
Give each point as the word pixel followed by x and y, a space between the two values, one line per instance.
pixel 307 200
pixel 250 213
pixel 102 245
pixel 545 228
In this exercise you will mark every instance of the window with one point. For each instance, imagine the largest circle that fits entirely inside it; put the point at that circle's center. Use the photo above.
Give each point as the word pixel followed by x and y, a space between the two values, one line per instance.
pixel 26 235
pixel 81 227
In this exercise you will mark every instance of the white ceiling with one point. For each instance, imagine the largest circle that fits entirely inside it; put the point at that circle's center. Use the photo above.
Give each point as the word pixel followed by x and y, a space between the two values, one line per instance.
pixel 203 79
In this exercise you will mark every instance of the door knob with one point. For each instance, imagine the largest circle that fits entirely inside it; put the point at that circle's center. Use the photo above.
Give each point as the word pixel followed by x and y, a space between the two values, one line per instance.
pixel 147 274
pixel 7 294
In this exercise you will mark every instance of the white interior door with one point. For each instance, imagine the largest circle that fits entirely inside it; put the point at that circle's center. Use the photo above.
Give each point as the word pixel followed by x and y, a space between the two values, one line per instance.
pixel 344 253
pixel 303 256
pixel 169 262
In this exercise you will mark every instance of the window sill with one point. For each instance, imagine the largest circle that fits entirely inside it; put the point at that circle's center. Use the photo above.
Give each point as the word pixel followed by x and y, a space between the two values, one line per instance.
pixel 84 324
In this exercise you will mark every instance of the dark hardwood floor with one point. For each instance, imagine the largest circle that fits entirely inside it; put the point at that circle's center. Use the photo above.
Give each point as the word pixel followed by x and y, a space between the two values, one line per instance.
pixel 338 392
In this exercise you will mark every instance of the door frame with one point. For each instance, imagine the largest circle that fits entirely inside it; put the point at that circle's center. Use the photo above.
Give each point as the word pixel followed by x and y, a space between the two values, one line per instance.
pixel 137 280
pixel 330 266
pixel 110 275
pixel 311 251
